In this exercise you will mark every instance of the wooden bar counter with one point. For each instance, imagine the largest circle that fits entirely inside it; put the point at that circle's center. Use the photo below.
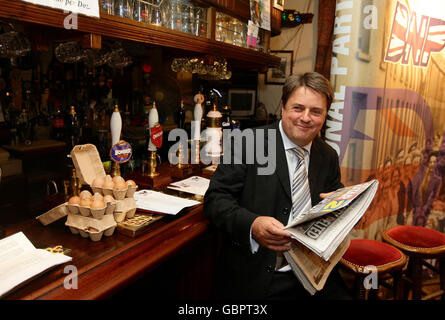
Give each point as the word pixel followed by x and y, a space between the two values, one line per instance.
pixel 178 249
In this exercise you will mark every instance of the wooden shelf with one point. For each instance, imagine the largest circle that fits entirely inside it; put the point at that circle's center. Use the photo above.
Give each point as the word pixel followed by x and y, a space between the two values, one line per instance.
pixel 117 27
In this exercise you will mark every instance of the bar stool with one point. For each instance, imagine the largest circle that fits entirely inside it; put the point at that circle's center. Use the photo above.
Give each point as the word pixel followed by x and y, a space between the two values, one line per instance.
pixel 419 243
pixel 364 255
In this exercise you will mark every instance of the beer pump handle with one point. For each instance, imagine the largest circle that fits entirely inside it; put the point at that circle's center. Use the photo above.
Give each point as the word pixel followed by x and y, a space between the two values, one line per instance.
pixel 115 126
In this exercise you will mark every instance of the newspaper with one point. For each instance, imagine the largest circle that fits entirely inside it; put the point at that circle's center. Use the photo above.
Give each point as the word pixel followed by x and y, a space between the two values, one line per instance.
pixel 321 233
pixel 20 261
pixel 310 269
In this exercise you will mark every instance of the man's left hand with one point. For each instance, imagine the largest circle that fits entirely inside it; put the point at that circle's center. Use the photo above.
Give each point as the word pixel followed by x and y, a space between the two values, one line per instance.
pixel 325 195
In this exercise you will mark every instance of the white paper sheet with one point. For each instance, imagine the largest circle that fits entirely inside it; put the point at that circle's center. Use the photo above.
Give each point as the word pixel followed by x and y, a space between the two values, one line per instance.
pixel 20 261
pixel 160 202
pixel 86 7
pixel 195 185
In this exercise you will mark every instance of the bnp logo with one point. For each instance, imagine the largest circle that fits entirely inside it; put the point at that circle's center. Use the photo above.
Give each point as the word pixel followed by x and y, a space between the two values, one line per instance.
pixel 414 35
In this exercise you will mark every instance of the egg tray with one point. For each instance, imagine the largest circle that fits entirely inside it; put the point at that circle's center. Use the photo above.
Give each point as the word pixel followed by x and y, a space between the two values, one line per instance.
pixel 86 160
pixel 120 209
pixel 88 227
pixel 117 194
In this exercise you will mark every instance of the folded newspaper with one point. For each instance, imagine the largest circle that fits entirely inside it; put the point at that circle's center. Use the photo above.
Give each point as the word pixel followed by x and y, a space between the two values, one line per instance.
pixel 322 233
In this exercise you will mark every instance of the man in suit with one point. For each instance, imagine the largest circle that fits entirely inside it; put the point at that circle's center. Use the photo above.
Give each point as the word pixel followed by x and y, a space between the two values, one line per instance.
pixel 251 209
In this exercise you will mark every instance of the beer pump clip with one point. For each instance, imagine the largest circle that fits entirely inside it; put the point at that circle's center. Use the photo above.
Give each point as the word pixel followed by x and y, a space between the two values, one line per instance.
pixel 121 150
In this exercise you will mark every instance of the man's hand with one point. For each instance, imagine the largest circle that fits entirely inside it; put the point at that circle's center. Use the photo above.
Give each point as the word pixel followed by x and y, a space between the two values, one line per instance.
pixel 269 233
pixel 325 195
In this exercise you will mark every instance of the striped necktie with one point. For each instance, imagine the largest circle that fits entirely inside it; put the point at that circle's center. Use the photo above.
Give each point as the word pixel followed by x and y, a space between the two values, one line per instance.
pixel 301 197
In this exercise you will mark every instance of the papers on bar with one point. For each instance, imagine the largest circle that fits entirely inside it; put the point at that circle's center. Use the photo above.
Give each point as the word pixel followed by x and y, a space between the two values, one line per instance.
pixel 21 261
pixel 159 202
pixel 195 185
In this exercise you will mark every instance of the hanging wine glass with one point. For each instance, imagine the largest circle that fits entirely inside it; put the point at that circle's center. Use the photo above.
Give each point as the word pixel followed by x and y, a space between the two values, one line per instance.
pixel 69 52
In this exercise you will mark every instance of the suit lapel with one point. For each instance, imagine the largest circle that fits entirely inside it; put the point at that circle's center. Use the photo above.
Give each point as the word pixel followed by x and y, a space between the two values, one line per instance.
pixel 314 166
pixel 282 170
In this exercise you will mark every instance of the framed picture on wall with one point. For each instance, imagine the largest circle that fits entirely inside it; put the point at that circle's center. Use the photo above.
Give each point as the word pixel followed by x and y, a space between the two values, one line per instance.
pixel 278 4
pixel 279 75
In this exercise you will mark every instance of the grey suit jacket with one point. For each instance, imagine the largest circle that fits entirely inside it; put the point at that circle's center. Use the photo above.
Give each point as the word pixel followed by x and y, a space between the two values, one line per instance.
pixel 237 195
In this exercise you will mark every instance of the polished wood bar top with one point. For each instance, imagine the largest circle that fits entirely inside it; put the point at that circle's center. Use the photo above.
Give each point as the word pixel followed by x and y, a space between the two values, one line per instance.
pixel 36 147
pixel 106 266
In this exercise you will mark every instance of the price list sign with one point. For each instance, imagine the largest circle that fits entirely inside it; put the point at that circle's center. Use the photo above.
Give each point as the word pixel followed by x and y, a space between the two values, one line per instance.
pixel 85 7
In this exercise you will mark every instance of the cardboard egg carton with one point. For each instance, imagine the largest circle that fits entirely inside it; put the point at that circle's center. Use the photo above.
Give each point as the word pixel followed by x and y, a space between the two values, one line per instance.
pixel 128 192
pixel 89 166
pixel 86 221
pixel 88 227
pixel 90 212
pixel 125 209
pixel 54 214
pixel 119 209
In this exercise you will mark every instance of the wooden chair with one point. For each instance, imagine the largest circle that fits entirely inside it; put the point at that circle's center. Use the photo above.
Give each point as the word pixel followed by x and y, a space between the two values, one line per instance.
pixel 419 244
pixel 364 256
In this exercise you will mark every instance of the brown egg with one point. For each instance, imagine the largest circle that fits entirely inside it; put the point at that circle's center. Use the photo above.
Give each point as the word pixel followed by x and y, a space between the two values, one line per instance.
pixel 98 196
pixel 108 184
pixel 120 185
pixel 131 183
pixel 74 200
pixel 85 194
pixel 118 179
pixel 97 204
pixel 98 182
pixel 85 202
pixel 108 198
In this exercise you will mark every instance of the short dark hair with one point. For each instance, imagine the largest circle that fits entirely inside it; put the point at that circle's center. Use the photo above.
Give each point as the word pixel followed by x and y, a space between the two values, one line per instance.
pixel 312 80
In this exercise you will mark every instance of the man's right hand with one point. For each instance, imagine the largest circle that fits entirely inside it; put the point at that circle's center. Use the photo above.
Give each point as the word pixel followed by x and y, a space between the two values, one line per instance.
pixel 269 233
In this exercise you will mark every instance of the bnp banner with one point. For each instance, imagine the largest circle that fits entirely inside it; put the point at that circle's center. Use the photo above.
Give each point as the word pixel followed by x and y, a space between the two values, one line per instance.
pixel 387 120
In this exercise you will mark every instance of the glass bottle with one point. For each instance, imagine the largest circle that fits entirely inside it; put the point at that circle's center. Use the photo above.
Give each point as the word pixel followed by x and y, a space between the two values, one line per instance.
pixel 72 129
pixel 156 15
pixel 4 123
pixel 108 6
pixel 23 125
pixel 219 34
pixel 145 12
pixel 58 125
pixel 174 21
pixel 200 24
pixel 187 16
pixel 124 8
pixel 141 11
pixel 137 11
pixel 180 116
pixel 226 120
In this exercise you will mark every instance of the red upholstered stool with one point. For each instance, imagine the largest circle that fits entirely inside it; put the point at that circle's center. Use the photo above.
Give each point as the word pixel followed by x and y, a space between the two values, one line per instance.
pixel 419 243
pixel 364 256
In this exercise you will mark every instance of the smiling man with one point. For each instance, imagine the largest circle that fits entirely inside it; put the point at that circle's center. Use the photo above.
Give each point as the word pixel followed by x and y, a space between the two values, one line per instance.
pixel 251 209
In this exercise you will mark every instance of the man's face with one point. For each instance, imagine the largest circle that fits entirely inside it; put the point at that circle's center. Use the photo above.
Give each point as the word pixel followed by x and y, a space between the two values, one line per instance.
pixel 303 115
